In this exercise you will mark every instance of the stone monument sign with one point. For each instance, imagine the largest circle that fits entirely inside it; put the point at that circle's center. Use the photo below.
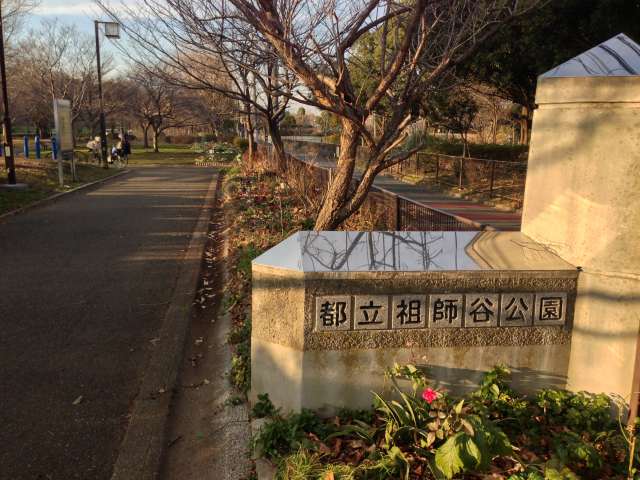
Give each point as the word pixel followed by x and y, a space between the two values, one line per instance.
pixel 559 302
pixel 332 310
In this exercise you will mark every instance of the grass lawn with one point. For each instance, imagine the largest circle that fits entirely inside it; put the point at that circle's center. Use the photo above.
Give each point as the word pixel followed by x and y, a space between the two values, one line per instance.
pixel 168 155
pixel 43 181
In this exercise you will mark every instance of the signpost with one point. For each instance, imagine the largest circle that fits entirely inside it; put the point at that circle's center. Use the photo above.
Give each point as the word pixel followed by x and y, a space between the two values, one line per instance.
pixel 64 134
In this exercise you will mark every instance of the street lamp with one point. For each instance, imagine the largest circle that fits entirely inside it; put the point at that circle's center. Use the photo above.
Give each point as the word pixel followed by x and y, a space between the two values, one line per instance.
pixel 111 30
pixel 8 138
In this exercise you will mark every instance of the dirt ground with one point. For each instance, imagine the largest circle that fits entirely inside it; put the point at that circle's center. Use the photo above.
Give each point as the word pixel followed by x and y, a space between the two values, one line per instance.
pixel 209 429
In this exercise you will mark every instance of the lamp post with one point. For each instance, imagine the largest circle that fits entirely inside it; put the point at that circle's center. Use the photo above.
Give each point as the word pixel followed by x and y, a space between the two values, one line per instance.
pixel 111 30
pixel 8 138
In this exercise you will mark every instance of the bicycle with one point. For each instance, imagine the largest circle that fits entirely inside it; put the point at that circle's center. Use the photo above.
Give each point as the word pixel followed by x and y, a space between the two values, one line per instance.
pixel 120 161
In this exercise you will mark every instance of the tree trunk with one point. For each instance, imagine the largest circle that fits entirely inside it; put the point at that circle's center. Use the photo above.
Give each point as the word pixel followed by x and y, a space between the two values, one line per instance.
pixel 494 129
pixel 524 126
pixel 251 151
pixel 278 145
pixel 145 136
pixel 156 135
pixel 73 134
pixel 332 210
pixel 465 147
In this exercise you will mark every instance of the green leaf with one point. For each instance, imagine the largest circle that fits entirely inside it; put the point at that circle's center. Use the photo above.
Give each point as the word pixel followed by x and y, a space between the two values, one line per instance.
pixel 490 440
pixel 473 452
pixel 468 428
pixel 458 407
pixel 459 453
pixel 447 460
pixel 563 474
pixel 495 390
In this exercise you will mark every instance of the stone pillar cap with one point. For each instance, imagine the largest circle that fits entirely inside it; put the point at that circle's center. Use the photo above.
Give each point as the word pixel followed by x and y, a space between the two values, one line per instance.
pixel 618 56
pixel 607 73
pixel 332 251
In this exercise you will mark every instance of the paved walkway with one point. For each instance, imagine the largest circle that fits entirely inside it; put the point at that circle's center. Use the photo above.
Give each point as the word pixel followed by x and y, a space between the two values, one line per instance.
pixel 432 197
pixel 84 288
pixel 461 207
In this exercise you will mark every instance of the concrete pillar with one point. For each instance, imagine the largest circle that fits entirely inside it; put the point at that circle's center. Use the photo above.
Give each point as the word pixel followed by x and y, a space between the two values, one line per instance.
pixel 582 200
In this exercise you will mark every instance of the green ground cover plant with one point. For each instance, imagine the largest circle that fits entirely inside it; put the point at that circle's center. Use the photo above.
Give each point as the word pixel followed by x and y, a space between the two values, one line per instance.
pixel 218 152
pixel 420 431
pixel 42 179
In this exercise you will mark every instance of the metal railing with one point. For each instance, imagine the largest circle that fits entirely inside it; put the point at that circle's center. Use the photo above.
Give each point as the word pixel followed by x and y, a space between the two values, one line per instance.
pixel 494 178
pixel 394 211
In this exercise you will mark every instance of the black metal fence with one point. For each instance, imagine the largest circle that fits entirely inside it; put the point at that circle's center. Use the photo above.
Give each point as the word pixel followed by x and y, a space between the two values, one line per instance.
pixel 393 211
pixel 478 177
pixel 493 178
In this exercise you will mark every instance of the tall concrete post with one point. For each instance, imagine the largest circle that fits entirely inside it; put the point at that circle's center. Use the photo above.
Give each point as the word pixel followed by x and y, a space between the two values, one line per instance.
pixel 582 200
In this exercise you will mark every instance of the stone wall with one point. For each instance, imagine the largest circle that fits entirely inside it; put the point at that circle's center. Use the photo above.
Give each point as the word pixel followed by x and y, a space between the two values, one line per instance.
pixel 582 200
pixel 301 367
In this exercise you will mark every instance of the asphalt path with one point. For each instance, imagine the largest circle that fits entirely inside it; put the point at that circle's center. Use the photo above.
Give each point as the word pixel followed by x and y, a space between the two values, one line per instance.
pixel 84 285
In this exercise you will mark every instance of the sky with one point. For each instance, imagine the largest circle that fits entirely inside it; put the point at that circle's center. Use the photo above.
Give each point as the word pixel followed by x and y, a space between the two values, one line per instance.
pixel 81 13
pixel 68 8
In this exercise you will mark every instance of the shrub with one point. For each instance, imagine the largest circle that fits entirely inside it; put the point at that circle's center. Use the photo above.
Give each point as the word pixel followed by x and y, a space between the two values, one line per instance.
pixel 180 139
pixel 422 432
pixel 207 137
pixel 240 332
pixel 284 434
pixel 241 367
pixel 579 411
pixel 263 407
pixel 245 256
pixel 241 144
pixel 477 150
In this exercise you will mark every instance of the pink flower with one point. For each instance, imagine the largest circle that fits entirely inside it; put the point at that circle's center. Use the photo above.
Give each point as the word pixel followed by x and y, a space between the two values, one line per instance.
pixel 429 395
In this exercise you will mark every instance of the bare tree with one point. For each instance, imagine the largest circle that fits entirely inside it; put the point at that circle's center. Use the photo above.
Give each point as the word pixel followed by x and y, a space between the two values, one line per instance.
pixel 56 61
pixel 257 43
pixel 160 105
pixel 216 109
pixel 493 111
pixel 420 42
pixel 13 15
pixel 219 55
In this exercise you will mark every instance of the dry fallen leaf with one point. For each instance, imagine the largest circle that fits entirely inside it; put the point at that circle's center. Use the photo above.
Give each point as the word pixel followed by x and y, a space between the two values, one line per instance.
pixel 77 401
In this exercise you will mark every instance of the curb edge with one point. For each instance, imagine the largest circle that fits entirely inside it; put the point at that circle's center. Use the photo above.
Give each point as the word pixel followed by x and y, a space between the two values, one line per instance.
pixel 141 451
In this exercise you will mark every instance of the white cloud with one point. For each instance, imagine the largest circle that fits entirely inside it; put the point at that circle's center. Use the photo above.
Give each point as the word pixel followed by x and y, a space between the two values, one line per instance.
pixel 62 8
pixel 55 8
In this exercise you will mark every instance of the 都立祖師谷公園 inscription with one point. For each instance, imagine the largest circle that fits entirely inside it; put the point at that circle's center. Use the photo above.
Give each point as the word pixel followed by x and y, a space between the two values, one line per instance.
pixel 450 310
